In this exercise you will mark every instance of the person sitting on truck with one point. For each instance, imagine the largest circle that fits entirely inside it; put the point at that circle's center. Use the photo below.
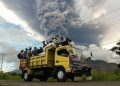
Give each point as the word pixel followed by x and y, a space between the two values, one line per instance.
pixel 24 54
pixel 71 43
pixel 62 40
pixel 66 42
pixel 35 51
pixel 20 55
pixel 29 52
pixel 57 38
pixel 40 50
pixel 44 44
pixel 56 41
pixel 50 44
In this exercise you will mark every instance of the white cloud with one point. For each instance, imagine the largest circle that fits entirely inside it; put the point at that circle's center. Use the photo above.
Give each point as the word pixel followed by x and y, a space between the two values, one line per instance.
pixel 10 66
pixel 15 37
pixel 103 54
pixel 99 13
pixel 11 17
pixel 98 53
pixel 111 35
pixel 10 60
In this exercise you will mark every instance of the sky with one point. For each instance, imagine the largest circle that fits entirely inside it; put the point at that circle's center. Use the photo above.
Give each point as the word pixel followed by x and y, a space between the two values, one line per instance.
pixel 25 23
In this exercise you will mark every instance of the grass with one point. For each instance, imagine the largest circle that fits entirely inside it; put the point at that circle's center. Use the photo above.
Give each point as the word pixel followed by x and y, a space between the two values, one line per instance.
pixel 97 76
pixel 9 76
pixel 106 76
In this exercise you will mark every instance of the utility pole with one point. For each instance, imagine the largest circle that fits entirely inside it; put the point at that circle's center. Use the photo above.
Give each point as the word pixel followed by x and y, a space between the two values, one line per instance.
pixel 2 55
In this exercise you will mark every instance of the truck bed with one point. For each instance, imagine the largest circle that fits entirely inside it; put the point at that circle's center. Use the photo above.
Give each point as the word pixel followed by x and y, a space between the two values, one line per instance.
pixel 41 60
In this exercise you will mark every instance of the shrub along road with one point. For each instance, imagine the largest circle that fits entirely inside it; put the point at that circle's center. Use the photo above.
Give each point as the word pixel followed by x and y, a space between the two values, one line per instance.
pixel 82 83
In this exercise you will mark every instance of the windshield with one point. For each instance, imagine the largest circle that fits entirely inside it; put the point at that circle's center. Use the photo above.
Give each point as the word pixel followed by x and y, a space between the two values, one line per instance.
pixel 77 53
pixel 77 58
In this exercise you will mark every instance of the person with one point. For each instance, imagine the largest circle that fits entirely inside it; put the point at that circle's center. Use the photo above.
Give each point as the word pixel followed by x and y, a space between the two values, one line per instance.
pixel 57 38
pixel 44 44
pixel 40 50
pixel 34 52
pixel 26 53
pixel 71 42
pixel 20 55
pixel 62 40
pixel 50 44
pixel 56 41
pixel 66 42
pixel 29 52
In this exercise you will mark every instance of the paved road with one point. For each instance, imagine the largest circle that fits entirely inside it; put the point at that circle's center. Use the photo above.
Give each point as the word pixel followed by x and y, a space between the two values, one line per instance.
pixel 82 83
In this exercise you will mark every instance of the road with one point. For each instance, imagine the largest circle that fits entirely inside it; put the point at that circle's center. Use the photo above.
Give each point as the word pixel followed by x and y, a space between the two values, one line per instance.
pixel 82 83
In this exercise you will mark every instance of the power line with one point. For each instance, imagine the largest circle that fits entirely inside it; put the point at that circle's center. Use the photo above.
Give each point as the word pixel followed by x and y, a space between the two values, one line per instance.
pixel 109 13
pixel 103 21
pixel 99 45
pixel 105 44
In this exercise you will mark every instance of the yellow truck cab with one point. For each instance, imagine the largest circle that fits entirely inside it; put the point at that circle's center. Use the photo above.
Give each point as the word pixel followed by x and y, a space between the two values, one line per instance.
pixel 61 63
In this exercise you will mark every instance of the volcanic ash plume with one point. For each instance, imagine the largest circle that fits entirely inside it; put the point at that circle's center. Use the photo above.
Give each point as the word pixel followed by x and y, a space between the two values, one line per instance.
pixel 55 16
pixel 65 17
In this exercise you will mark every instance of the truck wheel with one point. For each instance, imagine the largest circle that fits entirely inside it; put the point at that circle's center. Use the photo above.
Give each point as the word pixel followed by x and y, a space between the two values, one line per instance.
pixel 27 77
pixel 61 75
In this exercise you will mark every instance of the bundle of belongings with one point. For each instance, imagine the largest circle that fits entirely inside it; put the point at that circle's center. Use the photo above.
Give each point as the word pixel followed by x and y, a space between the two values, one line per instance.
pixel 54 42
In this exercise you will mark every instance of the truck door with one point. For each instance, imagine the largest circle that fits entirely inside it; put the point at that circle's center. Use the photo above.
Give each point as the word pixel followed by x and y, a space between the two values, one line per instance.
pixel 62 58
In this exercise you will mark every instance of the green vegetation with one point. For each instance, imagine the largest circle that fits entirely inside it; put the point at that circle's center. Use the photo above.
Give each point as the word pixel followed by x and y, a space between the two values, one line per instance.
pixel 97 76
pixel 9 76
pixel 106 76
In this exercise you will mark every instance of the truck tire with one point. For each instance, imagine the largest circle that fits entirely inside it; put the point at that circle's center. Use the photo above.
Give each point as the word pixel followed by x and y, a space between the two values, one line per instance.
pixel 61 75
pixel 27 77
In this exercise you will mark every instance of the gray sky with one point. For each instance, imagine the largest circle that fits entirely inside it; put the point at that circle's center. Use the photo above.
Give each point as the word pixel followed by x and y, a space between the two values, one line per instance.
pixel 25 23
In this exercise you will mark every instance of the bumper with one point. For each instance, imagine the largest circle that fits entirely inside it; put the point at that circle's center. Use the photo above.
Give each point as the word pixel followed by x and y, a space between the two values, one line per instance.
pixel 84 71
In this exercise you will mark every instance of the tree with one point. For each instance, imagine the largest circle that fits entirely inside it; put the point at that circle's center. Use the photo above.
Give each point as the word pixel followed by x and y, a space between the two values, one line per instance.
pixel 116 48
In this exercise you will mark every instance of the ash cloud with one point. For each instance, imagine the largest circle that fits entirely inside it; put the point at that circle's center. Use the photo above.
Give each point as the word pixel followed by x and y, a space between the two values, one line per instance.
pixel 62 17
pixel 55 16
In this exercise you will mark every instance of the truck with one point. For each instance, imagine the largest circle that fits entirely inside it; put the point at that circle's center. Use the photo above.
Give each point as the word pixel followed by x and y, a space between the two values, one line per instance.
pixel 61 63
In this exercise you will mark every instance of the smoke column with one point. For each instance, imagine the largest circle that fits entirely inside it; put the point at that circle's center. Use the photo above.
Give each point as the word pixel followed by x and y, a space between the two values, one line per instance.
pixel 64 17
pixel 55 16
